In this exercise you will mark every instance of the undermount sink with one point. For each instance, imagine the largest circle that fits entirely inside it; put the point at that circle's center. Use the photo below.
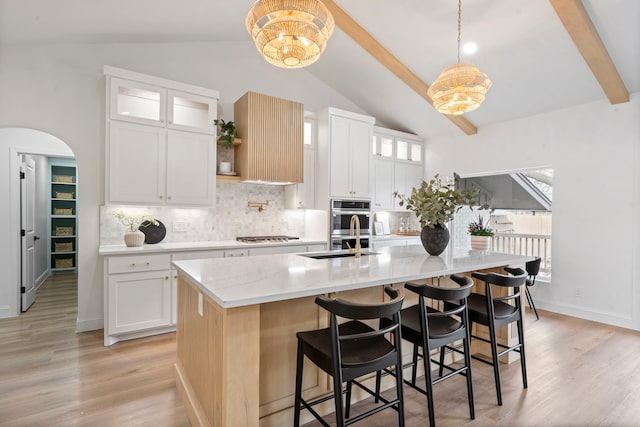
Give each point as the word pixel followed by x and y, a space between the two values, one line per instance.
pixel 330 255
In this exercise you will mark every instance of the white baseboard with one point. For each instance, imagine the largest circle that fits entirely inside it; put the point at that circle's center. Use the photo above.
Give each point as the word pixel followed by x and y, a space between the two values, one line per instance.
pixel 609 318
pixel 7 311
pixel 89 325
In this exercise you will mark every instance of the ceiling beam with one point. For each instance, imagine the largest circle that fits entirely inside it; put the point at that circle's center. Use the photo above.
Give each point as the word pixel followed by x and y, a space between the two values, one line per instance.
pixel 576 21
pixel 393 64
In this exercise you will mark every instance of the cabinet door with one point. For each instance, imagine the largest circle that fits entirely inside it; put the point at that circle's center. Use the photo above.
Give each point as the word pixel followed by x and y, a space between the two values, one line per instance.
pixel 360 135
pixel 139 301
pixel 383 183
pixel 340 162
pixel 191 163
pixel 137 102
pixel 137 155
pixel 407 176
pixel 187 111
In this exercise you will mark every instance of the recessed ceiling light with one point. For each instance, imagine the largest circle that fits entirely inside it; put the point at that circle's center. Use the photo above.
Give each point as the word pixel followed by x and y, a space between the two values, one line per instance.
pixel 470 48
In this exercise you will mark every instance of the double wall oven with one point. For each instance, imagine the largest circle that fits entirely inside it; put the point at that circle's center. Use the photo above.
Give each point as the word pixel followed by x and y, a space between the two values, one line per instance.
pixel 341 212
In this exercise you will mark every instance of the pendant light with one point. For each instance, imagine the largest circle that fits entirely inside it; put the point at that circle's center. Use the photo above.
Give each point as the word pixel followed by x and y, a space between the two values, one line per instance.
pixel 461 87
pixel 290 33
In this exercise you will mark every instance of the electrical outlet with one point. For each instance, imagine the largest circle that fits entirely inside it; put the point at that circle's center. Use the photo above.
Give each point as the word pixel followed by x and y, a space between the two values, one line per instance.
pixel 180 226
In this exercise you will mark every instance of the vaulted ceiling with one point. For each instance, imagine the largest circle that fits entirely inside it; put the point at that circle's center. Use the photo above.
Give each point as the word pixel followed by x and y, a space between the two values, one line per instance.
pixel 523 46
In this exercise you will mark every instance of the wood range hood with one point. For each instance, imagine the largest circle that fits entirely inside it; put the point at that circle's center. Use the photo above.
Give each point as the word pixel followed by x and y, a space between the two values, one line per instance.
pixel 272 132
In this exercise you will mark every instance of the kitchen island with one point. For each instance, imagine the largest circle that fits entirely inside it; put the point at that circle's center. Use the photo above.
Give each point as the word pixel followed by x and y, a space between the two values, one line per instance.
pixel 237 320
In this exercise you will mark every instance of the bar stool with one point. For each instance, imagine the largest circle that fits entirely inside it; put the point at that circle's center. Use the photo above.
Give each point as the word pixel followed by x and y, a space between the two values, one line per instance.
pixel 533 268
pixel 428 328
pixel 495 312
pixel 351 350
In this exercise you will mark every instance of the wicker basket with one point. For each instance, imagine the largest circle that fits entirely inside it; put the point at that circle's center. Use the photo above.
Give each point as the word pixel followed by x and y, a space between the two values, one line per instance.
pixel 63 178
pixel 62 211
pixel 63 246
pixel 63 262
pixel 63 195
pixel 64 231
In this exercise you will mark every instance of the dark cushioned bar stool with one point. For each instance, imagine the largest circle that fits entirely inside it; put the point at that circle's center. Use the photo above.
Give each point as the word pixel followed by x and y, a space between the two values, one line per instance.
pixel 533 268
pixel 351 350
pixel 497 311
pixel 429 329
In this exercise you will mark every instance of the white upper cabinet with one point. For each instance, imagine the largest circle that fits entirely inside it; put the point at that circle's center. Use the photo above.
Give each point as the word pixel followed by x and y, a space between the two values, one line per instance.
pixel 344 147
pixel 161 145
pixel 398 166
pixel 136 159
pixel 190 177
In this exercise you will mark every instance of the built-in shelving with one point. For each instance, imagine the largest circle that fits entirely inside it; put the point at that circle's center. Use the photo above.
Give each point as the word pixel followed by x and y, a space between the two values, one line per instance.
pixel 63 212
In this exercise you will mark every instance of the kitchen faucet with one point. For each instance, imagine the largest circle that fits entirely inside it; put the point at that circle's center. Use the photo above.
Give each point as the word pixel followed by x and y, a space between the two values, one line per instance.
pixel 355 223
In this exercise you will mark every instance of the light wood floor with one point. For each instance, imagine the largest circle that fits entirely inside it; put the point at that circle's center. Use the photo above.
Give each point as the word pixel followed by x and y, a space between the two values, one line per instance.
pixel 580 373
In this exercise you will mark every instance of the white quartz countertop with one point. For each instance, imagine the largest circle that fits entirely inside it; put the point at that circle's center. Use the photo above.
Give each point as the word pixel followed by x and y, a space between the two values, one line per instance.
pixel 235 282
pixel 198 246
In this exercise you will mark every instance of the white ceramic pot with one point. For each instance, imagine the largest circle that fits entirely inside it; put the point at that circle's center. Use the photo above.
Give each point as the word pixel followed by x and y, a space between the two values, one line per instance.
pixel 225 167
pixel 481 243
pixel 134 238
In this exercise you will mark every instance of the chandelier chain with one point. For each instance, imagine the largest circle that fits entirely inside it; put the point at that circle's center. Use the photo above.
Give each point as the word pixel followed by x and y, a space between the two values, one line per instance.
pixel 459 25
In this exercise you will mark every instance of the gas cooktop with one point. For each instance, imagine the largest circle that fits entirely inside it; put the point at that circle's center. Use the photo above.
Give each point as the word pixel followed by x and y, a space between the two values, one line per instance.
pixel 265 239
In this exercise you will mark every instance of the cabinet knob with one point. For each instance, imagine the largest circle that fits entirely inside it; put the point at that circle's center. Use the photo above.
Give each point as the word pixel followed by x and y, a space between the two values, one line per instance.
pixel 168 197
pixel 160 197
pixel 166 277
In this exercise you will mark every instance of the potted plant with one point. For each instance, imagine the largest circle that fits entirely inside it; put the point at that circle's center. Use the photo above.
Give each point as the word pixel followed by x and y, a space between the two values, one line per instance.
pixel 133 236
pixel 434 203
pixel 228 132
pixel 481 234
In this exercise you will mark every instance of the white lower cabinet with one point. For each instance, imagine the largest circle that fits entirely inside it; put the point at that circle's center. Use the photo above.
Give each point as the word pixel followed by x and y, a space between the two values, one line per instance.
pixel 141 293
pixel 137 296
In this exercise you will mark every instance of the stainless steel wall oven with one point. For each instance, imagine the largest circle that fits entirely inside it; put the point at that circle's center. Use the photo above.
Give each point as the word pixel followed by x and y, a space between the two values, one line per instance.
pixel 341 212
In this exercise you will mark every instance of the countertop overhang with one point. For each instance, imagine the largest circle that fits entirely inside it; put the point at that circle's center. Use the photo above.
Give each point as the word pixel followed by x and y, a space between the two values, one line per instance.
pixel 236 282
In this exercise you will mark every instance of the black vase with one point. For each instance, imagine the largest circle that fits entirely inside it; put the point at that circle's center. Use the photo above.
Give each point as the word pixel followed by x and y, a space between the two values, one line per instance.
pixel 435 240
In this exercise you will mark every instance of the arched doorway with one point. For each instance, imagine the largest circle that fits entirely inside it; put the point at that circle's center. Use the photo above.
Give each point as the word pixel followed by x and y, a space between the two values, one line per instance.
pixel 15 145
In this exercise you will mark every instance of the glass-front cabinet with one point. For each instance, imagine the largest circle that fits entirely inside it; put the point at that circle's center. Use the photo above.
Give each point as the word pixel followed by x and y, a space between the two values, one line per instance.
pixel 148 104
pixel 398 166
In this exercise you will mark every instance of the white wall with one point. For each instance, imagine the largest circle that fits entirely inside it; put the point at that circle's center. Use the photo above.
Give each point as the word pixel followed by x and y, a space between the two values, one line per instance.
pixel 594 151
pixel 59 89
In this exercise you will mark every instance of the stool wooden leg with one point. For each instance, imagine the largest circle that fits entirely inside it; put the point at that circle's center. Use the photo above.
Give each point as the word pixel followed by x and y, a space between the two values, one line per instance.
pixel 299 366
pixel 494 357
pixel 348 406
pixel 337 391
pixel 467 362
pixel 523 362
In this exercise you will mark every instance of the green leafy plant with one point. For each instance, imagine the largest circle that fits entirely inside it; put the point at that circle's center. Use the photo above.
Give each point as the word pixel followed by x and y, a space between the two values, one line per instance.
pixel 435 202
pixel 479 228
pixel 133 222
pixel 228 132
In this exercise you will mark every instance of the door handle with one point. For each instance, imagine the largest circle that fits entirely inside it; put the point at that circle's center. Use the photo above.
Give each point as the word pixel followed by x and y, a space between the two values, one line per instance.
pixel 36 238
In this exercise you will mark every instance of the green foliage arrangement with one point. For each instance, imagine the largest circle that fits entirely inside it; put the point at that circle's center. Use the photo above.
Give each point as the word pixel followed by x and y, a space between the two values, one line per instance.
pixel 479 228
pixel 228 132
pixel 435 202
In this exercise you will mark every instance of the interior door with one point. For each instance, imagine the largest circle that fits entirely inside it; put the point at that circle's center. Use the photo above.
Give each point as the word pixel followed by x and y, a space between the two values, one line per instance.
pixel 28 233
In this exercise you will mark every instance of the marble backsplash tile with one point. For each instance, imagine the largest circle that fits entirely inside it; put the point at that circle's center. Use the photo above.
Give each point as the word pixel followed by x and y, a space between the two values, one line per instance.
pixel 231 218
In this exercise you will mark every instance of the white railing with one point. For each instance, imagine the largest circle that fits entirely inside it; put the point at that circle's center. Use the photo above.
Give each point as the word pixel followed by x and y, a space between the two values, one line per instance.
pixel 526 244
